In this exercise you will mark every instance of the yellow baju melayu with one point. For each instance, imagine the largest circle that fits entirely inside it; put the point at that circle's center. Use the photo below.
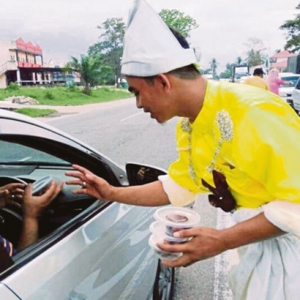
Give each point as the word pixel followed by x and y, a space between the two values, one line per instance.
pixel 253 137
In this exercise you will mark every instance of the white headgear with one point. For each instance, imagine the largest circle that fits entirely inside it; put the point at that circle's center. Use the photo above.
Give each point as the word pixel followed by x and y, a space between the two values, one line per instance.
pixel 150 48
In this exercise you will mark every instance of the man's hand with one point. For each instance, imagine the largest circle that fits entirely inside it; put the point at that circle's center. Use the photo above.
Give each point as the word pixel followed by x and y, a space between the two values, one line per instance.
pixel 208 242
pixel 205 243
pixel 34 205
pixel 94 185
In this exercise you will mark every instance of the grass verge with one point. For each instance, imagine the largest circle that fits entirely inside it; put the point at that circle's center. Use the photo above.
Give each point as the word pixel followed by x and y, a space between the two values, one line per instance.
pixel 61 96
pixel 35 112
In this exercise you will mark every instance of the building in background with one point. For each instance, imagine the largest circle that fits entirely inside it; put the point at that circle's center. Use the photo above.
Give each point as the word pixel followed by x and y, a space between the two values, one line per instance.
pixel 280 60
pixel 23 63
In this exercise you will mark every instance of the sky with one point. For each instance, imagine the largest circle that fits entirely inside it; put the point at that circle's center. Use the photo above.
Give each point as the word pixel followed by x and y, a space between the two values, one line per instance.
pixel 65 28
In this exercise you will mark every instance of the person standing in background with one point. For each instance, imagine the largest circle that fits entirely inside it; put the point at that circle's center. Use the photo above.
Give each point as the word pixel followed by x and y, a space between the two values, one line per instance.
pixel 274 81
pixel 257 79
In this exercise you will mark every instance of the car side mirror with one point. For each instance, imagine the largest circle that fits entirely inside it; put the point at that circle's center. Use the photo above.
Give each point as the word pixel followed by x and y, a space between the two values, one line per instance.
pixel 141 174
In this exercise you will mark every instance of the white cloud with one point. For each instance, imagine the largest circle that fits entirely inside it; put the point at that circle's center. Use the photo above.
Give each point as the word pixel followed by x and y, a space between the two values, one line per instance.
pixel 68 27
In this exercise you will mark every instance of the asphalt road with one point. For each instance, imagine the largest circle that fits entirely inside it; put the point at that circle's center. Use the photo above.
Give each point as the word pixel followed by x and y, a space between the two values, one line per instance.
pixel 125 134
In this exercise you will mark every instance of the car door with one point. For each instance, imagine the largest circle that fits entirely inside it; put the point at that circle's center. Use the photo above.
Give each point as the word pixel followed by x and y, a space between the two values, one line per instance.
pixel 7 294
pixel 98 250
pixel 106 257
pixel 296 96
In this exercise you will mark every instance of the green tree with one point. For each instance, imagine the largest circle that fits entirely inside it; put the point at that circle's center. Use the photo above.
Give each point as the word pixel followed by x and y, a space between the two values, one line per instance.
pixel 228 71
pixel 239 60
pixel 90 68
pixel 293 33
pixel 179 21
pixel 205 71
pixel 226 74
pixel 255 53
pixel 110 46
pixel 214 65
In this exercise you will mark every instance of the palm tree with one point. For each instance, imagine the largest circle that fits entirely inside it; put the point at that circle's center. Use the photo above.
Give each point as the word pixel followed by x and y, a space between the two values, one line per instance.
pixel 90 68
pixel 239 60
pixel 214 65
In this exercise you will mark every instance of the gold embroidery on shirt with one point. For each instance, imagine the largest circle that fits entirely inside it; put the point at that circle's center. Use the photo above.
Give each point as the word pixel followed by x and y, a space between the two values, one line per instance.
pixel 225 125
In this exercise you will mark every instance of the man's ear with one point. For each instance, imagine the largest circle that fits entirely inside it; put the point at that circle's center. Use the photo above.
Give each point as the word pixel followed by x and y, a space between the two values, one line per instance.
pixel 163 81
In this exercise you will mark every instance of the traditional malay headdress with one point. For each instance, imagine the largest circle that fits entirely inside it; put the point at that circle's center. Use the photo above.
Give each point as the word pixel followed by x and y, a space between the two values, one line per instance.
pixel 150 48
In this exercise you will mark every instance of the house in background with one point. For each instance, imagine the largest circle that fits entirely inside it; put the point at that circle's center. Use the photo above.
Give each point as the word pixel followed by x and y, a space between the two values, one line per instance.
pixel 23 63
pixel 280 60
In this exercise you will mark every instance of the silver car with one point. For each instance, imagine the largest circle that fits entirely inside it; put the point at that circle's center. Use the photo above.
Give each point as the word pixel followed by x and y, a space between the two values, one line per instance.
pixel 286 90
pixel 88 248
pixel 295 102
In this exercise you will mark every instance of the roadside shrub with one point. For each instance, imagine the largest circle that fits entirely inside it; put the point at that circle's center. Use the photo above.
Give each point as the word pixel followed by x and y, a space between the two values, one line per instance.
pixel 106 89
pixel 13 86
pixel 49 95
pixel 72 88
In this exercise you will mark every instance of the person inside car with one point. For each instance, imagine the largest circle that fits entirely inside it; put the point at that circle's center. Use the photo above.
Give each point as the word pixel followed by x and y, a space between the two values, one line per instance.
pixel 19 195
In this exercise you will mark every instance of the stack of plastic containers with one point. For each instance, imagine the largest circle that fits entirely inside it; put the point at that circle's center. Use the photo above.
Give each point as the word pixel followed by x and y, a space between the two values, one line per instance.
pixel 168 220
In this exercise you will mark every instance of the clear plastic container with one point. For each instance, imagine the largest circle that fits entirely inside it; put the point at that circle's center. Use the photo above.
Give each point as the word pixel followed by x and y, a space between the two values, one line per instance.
pixel 159 229
pixel 163 255
pixel 176 218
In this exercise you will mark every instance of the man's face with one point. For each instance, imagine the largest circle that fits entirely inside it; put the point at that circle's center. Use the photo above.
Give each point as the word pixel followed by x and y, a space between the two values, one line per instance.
pixel 152 96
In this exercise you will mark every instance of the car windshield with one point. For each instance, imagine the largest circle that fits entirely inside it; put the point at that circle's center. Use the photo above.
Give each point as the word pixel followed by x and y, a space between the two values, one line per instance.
pixel 16 153
pixel 291 79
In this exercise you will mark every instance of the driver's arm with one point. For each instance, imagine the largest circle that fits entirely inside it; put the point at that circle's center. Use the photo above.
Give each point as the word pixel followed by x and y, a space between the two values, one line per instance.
pixel 32 207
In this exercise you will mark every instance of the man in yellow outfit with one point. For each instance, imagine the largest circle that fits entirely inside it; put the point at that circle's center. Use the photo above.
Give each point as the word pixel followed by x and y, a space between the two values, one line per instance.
pixel 248 136
pixel 257 79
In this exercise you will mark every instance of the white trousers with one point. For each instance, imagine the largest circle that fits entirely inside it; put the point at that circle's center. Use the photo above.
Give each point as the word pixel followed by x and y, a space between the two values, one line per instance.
pixel 268 270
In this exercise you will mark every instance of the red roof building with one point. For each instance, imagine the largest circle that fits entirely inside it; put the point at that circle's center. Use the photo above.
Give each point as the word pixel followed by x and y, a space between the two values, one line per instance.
pixel 280 60
pixel 22 62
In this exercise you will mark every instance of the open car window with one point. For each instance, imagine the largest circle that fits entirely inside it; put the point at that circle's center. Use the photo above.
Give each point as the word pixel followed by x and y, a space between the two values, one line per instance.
pixel 290 81
pixel 36 152
pixel 13 153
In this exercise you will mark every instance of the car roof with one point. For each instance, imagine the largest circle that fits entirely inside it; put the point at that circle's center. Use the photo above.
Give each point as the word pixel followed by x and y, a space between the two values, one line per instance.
pixel 7 114
pixel 288 74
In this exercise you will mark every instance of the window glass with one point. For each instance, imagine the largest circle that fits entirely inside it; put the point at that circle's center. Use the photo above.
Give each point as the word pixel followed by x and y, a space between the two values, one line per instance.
pixel 298 85
pixel 292 80
pixel 12 152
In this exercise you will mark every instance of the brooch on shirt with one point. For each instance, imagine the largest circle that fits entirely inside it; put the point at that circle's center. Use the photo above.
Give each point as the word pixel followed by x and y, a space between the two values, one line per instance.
pixel 225 125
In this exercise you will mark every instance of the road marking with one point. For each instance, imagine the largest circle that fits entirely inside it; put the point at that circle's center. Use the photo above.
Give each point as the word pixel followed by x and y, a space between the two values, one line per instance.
pixel 132 116
pixel 223 262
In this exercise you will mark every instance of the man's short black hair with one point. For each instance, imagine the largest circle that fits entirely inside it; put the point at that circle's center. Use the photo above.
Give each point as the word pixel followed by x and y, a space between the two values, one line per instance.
pixel 180 38
pixel 187 72
pixel 258 71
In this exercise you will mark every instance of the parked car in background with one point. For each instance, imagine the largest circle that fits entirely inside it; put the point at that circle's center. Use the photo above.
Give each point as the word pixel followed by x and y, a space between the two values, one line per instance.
pixel 295 101
pixel 285 90
pixel 88 248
